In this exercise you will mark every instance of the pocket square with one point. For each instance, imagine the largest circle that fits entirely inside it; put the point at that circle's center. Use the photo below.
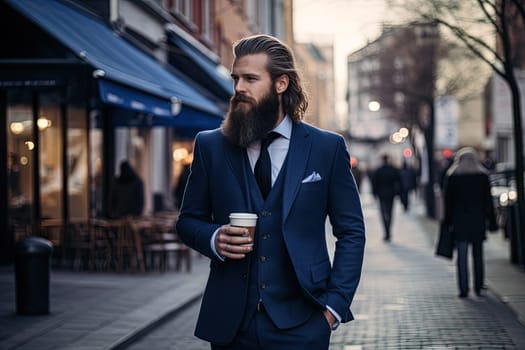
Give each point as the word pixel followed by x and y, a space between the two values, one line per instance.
pixel 313 177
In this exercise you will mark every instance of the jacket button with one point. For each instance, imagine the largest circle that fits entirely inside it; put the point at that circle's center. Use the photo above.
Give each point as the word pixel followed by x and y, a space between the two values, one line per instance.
pixel 263 258
pixel 244 276
pixel 264 213
pixel 263 285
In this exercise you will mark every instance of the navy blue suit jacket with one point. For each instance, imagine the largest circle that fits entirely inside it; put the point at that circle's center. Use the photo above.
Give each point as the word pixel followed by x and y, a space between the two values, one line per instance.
pixel 218 185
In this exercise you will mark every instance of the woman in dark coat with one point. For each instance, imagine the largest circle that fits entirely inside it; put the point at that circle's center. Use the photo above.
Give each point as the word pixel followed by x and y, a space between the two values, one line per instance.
pixel 468 209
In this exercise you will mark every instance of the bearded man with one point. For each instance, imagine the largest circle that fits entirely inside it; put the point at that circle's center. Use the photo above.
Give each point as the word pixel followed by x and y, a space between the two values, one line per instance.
pixel 278 290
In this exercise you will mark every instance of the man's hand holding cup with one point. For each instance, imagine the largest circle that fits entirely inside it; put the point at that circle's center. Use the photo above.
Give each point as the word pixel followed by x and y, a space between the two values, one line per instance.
pixel 235 239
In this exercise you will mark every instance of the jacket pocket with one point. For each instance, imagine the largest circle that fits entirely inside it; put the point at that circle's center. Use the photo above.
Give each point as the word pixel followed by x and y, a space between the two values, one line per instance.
pixel 312 186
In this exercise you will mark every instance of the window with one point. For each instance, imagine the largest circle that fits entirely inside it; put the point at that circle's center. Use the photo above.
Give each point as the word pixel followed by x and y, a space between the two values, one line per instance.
pixel 207 15
pixel 184 8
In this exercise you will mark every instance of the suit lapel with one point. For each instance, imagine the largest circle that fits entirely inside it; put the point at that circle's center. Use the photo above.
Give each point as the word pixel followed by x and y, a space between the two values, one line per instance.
pixel 298 153
pixel 235 156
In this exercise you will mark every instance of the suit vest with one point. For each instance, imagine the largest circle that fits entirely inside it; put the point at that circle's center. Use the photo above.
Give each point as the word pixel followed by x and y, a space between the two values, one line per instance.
pixel 272 278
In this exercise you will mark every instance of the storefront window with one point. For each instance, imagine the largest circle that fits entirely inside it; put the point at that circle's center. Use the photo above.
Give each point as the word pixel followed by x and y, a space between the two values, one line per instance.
pixel 20 148
pixel 96 175
pixel 182 155
pixel 77 158
pixel 133 145
pixel 50 167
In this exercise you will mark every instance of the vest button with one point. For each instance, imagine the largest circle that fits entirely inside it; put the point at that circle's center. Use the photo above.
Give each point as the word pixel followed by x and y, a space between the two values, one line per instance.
pixel 263 258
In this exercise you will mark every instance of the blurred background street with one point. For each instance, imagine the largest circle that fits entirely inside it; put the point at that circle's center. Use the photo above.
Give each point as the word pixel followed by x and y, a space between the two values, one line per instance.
pixel 100 102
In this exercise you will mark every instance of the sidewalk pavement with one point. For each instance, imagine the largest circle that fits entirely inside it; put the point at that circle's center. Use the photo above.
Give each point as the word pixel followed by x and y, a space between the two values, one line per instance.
pixel 107 310
pixel 505 280
pixel 93 310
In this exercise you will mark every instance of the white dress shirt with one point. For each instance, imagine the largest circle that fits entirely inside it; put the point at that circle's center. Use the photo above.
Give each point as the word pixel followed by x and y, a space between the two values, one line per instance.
pixel 277 149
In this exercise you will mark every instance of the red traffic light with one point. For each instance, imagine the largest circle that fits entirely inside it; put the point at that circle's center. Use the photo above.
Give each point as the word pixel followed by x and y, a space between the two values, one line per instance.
pixel 447 153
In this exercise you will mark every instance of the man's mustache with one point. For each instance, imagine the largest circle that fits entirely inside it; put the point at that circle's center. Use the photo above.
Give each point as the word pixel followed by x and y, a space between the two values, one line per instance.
pixel 243 98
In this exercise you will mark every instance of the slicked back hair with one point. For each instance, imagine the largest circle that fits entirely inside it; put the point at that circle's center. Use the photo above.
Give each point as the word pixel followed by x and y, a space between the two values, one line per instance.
pixel 280 61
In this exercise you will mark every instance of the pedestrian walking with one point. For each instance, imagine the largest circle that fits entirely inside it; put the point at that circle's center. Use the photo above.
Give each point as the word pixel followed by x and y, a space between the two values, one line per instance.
pixel 277 290
pixel 468 209
pixel 386 186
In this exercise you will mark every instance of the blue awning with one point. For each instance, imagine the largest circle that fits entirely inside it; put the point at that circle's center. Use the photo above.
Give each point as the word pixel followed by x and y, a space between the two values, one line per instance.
pixel 214 70
pixel 155 111
pixel 127 98
pixel 142 82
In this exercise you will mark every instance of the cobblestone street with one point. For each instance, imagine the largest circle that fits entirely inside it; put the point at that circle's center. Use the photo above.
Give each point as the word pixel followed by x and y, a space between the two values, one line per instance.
pixel 407 298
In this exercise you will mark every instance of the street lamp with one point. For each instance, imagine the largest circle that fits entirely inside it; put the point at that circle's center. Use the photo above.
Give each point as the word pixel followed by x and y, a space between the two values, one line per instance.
pixel 399 136
pixel 374 106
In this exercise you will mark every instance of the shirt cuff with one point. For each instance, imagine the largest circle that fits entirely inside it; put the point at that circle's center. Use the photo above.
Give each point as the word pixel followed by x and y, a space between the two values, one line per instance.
pixel 212 244
pixel 337 317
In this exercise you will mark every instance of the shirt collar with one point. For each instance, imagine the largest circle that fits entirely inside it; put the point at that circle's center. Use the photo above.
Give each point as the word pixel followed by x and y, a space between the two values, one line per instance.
pixel 284 128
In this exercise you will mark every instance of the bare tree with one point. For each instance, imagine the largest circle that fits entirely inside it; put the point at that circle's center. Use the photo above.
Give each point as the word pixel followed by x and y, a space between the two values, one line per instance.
pixel 476 24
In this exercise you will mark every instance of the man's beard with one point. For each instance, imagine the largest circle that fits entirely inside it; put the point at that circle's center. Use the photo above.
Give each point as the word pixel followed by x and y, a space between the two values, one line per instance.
pixel 242 126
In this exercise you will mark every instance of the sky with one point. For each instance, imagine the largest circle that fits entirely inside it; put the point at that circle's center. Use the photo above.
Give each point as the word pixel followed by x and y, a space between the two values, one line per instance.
pixel 347 24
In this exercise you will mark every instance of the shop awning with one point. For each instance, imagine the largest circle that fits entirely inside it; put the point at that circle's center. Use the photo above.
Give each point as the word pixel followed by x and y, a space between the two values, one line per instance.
pixel 215 72
pixel 128 77
pixel 155 111
pixel 124 97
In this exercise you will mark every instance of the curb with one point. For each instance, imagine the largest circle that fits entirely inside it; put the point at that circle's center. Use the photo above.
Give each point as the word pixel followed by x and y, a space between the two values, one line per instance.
pixel 143 330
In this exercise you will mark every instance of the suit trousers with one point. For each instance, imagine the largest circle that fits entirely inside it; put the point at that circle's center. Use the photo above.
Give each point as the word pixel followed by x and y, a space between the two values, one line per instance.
pixel 462 266
pixel 262 334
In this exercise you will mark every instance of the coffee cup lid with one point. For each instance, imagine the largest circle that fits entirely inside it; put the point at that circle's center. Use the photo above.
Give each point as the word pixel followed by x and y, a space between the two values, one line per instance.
pixel 243 216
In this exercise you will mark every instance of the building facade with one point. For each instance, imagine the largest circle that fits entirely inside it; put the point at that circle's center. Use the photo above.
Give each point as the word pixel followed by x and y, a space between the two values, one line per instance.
pixel 86 84
pixel 370 121
pixel 316 63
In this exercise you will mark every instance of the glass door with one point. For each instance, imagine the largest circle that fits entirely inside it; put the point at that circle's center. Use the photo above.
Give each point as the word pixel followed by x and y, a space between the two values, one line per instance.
pixel 35 163
pixel 50 156
pixel 50 169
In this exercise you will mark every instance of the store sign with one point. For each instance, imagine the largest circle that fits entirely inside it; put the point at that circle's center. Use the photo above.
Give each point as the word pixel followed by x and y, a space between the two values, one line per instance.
pixel 28 83
pixel 446 118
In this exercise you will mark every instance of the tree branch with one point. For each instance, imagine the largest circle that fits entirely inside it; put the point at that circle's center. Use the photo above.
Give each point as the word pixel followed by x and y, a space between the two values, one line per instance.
pixel 464 37
pixel 482 4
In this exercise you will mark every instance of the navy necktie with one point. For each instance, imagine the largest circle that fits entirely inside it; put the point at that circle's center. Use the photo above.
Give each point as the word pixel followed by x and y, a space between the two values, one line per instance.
pixel 263 166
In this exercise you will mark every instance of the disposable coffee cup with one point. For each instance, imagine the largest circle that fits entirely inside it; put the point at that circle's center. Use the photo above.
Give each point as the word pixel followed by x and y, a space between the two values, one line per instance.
pixel 248 220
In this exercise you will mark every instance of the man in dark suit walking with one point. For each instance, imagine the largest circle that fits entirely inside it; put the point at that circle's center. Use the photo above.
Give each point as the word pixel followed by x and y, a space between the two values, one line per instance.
pixel 279 290
pixel 386 186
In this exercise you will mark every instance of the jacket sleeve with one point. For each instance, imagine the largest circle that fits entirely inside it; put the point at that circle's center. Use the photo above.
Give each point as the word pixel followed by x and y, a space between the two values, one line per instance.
pixel 195 226
pixel 346 218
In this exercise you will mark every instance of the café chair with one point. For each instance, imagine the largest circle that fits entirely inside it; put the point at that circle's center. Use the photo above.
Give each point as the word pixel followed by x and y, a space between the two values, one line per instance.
pixel 160 246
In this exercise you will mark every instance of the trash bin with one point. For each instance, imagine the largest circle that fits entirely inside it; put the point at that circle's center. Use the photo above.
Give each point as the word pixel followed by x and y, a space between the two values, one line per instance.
pixel 32 265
